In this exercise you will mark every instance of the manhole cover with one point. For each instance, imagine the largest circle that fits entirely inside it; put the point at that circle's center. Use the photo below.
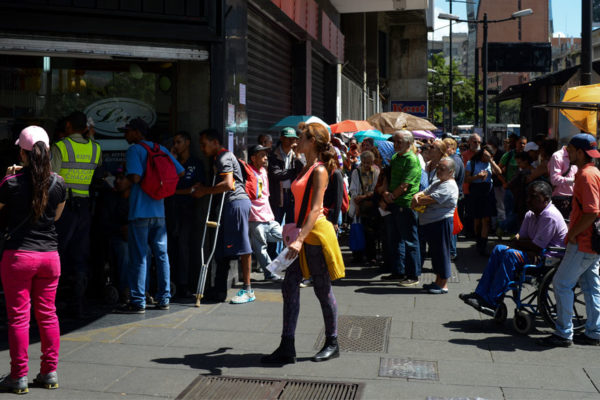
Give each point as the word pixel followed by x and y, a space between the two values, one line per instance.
pixel 234 388
pixel 360 334
pixel 408 368
pixel 428 277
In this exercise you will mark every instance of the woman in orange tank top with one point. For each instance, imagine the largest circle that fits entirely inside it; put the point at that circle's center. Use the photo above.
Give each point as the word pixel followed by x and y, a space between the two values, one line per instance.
pixel 320 156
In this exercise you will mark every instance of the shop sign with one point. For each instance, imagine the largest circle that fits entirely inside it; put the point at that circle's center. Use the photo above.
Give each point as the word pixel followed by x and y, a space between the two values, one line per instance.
pixel 416 108
pixel 111 114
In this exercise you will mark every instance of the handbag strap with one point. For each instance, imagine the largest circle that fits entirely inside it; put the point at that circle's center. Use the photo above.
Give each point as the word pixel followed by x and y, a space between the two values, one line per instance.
pixel 305 197
pixel 8 234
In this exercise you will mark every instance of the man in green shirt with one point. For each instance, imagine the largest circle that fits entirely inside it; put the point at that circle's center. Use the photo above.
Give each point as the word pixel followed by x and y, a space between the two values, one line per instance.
pixel 404 184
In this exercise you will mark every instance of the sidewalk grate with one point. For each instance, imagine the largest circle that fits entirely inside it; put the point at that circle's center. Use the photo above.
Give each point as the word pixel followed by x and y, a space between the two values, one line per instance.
pixel 233 388
pixel 427 276
pixel 360 334
pixel 408 368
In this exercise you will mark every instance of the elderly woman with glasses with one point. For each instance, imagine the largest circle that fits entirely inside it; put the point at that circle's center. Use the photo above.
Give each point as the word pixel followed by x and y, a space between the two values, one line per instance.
pixel 435 222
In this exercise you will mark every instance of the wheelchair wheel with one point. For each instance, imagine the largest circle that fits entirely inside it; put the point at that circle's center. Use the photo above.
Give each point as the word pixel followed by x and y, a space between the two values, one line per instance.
pixel 522 322
pixel 501 313
pixel 547 303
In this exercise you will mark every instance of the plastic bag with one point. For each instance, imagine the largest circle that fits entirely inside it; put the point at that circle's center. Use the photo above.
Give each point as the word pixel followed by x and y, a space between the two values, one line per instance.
pixel 279 265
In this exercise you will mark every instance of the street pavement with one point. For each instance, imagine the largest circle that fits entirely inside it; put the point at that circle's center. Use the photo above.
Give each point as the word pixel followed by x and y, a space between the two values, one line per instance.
pixel 157 355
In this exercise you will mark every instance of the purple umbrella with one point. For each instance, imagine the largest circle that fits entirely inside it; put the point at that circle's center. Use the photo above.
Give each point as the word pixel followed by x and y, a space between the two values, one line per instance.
pixel 423 135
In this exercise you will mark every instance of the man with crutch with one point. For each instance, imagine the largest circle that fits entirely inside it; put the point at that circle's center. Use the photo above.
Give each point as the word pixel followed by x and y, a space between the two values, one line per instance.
pixel 232 238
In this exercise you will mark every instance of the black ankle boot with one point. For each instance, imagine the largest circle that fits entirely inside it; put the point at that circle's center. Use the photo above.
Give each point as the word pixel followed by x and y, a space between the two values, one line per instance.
pixel 285 353
pixel 330 350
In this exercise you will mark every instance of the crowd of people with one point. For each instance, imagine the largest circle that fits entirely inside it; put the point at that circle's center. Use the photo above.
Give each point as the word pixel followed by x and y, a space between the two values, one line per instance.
pixel 300 193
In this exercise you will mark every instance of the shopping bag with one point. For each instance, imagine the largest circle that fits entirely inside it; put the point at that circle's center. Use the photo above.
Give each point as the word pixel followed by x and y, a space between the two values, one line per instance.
pixel 357 237
pixel 457 224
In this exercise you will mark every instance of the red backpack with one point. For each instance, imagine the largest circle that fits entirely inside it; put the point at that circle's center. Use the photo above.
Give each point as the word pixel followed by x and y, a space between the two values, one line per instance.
pixel 251 179
pixel 345 200
pixel 160 178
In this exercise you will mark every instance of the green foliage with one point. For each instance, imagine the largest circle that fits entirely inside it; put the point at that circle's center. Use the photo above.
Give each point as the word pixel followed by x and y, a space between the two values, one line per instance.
pixel 464 94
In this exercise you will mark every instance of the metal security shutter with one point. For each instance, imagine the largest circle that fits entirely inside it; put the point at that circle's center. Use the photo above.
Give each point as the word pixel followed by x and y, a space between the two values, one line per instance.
pixel 318 87
pixel 269 74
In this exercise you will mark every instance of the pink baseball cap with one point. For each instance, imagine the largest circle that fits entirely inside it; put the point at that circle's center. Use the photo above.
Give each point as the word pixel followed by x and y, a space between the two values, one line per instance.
pixel 30 136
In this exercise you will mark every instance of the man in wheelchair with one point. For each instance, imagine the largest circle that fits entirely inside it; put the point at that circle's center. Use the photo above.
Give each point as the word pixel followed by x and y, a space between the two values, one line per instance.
pixel 543 227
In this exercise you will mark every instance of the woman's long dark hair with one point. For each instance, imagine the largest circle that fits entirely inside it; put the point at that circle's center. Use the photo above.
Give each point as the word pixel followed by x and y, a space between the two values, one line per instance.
pixel 39 165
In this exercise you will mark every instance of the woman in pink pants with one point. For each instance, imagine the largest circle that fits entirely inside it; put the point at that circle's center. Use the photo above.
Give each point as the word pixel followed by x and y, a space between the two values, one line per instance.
pixel 30 267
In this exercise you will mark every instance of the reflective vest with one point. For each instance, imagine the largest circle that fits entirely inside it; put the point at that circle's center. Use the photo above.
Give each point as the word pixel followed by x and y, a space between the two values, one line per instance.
pixel 78 162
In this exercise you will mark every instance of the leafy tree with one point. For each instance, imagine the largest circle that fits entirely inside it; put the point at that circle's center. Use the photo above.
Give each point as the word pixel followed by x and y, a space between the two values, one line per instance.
pixel 464 94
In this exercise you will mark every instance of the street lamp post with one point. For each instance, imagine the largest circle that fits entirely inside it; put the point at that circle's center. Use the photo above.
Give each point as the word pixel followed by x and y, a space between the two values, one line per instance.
pixel 484 49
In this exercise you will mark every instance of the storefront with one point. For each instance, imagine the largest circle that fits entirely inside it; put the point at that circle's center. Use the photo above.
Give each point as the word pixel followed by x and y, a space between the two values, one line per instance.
pixel 129 59
pixel 270 72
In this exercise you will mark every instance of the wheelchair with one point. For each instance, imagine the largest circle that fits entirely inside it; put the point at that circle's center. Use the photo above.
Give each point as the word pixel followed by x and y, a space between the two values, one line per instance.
pixel 533 294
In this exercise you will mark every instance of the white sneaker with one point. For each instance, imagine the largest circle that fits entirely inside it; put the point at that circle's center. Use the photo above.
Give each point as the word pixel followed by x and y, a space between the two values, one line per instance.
pixel 305 283
pixel 243 296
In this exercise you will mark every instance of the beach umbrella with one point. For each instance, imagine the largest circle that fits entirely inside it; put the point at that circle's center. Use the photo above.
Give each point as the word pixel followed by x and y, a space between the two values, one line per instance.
pixel 294 120
pixel 584 120
pixel 371 133
pixel 390 122
pixel 351 126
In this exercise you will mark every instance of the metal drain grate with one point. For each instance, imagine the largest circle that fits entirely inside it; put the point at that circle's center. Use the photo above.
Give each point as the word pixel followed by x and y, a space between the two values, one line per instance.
pixel 234 388
pixel 360 334
pixel 408 368
pixel 427 277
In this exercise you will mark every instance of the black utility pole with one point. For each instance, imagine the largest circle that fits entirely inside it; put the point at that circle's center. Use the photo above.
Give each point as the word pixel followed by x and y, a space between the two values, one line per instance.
pixel 450 79
pixel 476 85
pixel 484 63
pixel 586 42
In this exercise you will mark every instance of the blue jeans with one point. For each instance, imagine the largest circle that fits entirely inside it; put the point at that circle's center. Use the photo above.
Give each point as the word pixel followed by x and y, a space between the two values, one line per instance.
pixel 120 253
pixel 262 233
pixel 583 267
pixel 405 233
pixel 499 272
pixel 453 245
pixel 510 224
pixel 144 231
pixel 393 250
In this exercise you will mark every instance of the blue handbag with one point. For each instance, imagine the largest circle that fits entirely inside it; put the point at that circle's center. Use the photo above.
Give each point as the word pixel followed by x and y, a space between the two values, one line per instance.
pixel 357 237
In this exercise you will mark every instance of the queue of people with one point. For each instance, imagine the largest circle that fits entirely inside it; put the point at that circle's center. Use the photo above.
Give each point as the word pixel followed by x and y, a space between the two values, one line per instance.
pixel 414 190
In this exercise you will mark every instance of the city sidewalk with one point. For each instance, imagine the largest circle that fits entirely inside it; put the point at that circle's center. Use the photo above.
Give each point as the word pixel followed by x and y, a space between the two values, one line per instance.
pixel 451 350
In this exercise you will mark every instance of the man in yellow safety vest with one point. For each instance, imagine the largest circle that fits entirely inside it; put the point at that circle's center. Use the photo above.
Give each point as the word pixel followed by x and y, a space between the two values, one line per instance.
pixel 75 158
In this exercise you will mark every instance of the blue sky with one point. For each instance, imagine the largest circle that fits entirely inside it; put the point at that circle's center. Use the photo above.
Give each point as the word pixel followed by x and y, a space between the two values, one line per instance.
pixel 566 13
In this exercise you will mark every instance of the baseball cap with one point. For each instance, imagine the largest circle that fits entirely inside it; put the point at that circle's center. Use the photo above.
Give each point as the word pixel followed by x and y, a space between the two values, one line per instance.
pixel 136 124
pixel 30 136
pixel 256 148
pixel 587 143
pixel 531 146
pixel 289 132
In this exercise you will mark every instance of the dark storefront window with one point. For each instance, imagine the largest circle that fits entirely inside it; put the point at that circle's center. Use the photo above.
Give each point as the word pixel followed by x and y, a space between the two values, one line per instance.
pixel 40 90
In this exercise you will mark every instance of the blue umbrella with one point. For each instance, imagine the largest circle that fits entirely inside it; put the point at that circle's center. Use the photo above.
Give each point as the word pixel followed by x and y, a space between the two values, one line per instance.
pixel 294 120
pixel 371 133
pixel 386 149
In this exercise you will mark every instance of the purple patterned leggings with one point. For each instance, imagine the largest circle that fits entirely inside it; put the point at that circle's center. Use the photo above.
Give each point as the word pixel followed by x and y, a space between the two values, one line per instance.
pixel 322 286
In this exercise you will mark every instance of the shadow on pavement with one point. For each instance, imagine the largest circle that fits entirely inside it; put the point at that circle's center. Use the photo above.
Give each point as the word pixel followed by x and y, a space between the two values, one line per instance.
pixel 389 290
pixel 216 360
